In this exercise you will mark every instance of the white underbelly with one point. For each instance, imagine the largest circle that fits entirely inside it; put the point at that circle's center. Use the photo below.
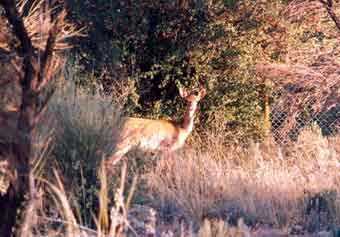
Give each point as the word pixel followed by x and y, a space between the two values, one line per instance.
pixel 153 143
pixel 158 142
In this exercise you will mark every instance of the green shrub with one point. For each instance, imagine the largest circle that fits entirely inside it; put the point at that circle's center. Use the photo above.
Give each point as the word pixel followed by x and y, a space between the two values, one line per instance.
pixel 158 45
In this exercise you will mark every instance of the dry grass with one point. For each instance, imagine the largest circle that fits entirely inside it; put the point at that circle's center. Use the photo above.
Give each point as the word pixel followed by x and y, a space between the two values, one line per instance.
pixel 84 134
pixel 294 188
pixel 262 184
pixel 203 190
pixel 64 222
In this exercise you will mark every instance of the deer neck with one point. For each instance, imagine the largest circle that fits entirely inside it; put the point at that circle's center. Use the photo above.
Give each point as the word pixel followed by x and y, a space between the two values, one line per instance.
pixel 189 116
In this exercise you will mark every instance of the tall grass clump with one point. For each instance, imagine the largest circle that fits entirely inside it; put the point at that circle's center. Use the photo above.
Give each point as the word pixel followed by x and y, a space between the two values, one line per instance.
pixel 264 183
pixel 85 134
pixel 110 220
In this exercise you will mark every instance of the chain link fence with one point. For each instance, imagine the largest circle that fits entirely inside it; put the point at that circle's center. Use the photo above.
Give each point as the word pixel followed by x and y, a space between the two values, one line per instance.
pixel 287 126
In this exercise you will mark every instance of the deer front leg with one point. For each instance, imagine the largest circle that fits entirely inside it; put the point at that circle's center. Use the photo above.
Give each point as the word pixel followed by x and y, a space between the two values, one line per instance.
pixel 113 160
pixel 117 156
pixel 167 147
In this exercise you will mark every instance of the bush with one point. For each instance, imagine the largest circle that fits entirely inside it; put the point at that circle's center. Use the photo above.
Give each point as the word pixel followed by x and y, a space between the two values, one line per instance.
pixel 157 46
pixel 85 134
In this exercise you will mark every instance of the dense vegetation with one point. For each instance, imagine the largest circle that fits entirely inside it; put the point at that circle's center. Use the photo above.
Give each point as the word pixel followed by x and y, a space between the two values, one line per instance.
pixel 155 46
pixel 151 47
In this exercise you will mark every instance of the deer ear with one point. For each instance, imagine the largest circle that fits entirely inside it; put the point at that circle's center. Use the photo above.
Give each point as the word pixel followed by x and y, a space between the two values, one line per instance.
pixel 182 92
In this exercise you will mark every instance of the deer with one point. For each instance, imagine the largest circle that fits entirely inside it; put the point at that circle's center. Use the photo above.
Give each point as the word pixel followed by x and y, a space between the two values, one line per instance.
pixel 157 135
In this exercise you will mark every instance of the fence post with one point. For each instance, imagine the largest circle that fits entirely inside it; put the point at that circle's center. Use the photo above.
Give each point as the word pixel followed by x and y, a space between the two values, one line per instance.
pixel 266 109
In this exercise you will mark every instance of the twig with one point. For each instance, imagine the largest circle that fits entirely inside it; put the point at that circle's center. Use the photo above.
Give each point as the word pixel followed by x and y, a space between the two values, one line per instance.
pixel 58 220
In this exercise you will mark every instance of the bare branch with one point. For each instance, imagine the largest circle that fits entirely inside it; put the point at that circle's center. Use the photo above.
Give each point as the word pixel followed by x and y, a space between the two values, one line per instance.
pixel 332 14
pixel 43 106
pixel 48 53
pixel 26 47
pixel 330 3
pixel 18 25
pixel 323 2
pixel 329 8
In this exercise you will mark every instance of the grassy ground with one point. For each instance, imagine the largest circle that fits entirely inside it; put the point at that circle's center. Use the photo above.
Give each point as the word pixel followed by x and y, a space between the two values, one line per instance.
pixel 294 188
pixel 206 189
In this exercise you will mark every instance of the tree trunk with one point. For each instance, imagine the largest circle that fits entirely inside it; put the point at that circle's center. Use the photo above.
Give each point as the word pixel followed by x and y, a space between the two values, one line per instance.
pixel 12 202
pixel 9 205
pixel 38 70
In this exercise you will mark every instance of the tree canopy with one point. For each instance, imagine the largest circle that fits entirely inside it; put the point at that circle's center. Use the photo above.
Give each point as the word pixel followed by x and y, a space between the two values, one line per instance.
pixel 240 51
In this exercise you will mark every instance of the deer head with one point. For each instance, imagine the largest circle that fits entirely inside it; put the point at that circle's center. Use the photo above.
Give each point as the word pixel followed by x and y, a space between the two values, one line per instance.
pixel 193 96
